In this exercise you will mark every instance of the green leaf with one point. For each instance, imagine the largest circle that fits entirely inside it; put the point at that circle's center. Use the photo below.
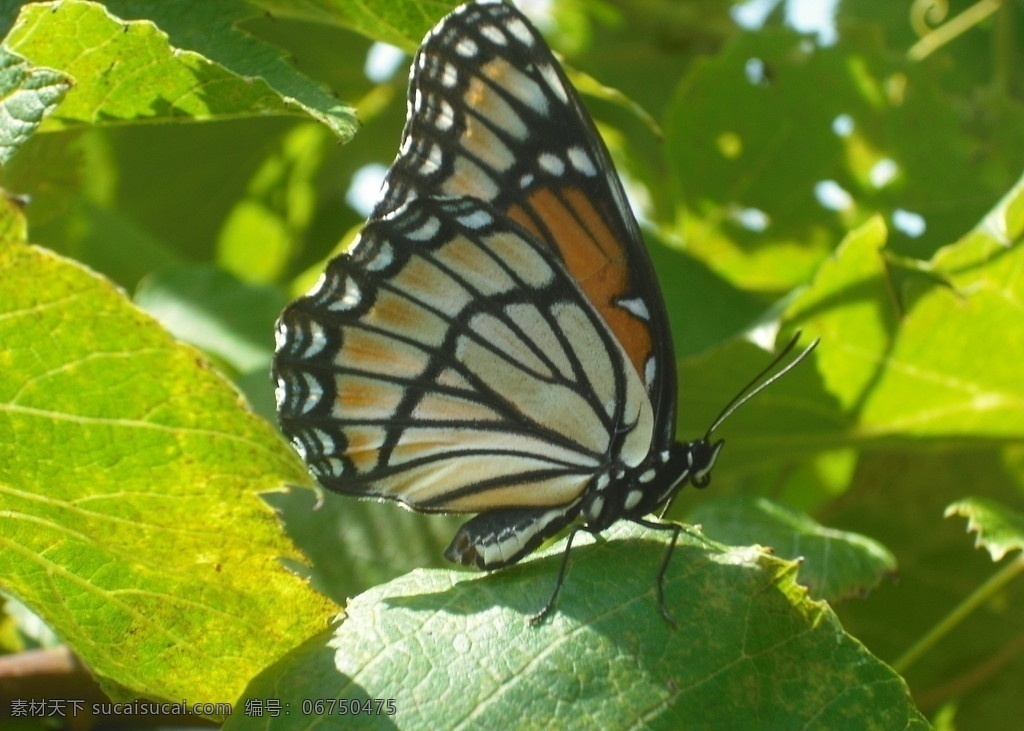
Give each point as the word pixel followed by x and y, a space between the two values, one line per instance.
pixel 847 307
pixel 128 71
pixel 27 94
pixel 1000 529
pixel 453 651
pixel 836 564
pixel 129 479
pixel 401 24
pixel 891 371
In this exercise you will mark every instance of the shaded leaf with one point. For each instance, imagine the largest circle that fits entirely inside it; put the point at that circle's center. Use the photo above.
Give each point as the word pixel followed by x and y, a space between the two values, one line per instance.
pixel 212 310
pixel 277 207
pixel 898 496
pixel 836 564
pixel 751 650
pixel 1000 529
pixel 353 544
pixel 27 94
pixel 129 477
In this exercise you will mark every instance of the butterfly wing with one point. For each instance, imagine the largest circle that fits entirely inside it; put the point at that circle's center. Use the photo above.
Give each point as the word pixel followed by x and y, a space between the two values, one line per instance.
pixel 449 362
pixel 492 116
pixel 496 341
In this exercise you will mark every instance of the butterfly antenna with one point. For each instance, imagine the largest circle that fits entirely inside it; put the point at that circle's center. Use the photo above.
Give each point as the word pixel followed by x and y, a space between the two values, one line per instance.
pixel 754 387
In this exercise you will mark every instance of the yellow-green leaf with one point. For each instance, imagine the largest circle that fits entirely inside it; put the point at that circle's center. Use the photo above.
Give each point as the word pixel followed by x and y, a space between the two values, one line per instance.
pixel 130 473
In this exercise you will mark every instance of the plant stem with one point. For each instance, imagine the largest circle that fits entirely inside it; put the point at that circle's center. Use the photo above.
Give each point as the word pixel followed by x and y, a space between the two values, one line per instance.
pixel 978 597
pixel 952 29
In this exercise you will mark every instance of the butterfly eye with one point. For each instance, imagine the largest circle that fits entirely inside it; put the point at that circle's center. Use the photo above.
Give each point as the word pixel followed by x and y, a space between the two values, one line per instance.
pixel 496 342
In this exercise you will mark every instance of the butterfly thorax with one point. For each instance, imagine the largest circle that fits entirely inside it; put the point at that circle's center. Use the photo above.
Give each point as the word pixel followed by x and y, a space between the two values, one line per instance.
pixel 633 492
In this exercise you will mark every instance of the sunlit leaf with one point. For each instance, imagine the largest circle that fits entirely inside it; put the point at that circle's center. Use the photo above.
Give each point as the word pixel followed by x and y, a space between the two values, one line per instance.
pixel 1000 528
pixel 750 649
pixel 127 71
pixel 129 477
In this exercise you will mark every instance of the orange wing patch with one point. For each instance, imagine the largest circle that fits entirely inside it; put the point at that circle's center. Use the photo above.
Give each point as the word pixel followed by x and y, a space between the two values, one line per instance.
pixel 596 259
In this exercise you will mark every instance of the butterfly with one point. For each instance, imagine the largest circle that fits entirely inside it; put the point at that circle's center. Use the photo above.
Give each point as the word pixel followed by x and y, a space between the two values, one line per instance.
pixel 495 341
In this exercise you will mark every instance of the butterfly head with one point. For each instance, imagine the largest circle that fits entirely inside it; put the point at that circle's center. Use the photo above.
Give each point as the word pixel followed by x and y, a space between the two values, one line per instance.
pixel 700 459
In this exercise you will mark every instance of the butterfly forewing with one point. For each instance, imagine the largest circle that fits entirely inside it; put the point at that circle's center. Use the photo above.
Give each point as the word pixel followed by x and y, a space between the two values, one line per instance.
pixel 449 362
pixel 491 116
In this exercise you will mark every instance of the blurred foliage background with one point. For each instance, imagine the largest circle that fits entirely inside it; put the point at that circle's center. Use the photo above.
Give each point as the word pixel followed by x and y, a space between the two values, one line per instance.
pixel 753 136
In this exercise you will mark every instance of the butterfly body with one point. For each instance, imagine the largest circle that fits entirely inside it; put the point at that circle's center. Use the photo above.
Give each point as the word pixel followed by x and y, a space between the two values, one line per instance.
pixel 495 342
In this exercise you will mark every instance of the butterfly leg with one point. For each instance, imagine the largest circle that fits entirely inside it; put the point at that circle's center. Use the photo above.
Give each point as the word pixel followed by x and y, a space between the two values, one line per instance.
pixel 540 616
pixel 675 529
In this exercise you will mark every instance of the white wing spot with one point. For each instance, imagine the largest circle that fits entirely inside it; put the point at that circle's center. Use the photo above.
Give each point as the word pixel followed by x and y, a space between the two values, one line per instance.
pixel 526 181
pixel 554 83
pixel 382 260
pixel 425 232
pixel 432 162
pixel 519 31
pixel 281 338
pixel 280 393
pixel 551 163
pixel 352 297
pixel 580 160
pixel 466 47
pixel 325 439
pixel 317 341
pixel 494 35
pixel 476 220
pixel 449 76
pixel 636 306
pixel 445 117
pixel 632 499
pixel 335 467
pixel 313 394
pixel 650 373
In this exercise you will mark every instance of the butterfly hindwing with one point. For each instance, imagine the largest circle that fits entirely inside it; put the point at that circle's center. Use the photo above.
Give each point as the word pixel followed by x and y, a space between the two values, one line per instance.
pixel 492 116
pixel 448 361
